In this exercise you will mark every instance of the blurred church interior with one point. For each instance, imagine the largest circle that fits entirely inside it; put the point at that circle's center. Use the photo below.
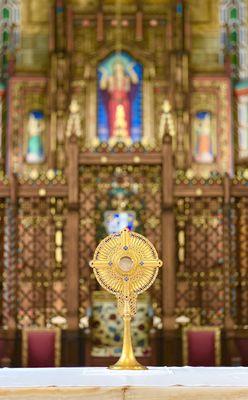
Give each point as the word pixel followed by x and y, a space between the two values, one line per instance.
pixel 113 114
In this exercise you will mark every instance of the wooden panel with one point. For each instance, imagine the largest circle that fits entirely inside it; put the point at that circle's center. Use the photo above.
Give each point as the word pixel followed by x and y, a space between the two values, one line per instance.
pixel 120 158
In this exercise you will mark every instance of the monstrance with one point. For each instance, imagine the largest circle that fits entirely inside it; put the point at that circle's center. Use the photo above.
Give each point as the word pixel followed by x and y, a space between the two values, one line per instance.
pixel 126 264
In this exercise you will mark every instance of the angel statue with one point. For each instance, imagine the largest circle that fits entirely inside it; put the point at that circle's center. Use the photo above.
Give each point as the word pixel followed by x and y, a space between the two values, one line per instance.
pixel 166 117
pixel 74 120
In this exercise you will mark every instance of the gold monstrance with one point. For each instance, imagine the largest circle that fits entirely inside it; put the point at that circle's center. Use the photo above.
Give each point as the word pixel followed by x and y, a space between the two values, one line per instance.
pixel 126 264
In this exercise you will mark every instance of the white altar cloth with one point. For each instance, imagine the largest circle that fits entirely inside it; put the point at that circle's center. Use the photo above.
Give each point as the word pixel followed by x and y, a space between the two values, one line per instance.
pixel 159 377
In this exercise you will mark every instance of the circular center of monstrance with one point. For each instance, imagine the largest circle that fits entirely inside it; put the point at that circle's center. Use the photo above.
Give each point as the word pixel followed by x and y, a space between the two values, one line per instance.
pixel 126 264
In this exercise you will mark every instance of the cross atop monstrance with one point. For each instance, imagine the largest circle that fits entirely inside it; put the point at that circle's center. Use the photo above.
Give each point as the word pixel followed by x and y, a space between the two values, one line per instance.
pixel 126 264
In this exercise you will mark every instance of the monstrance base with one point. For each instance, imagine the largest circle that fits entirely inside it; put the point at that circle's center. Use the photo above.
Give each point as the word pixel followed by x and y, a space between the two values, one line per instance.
pixel 125 366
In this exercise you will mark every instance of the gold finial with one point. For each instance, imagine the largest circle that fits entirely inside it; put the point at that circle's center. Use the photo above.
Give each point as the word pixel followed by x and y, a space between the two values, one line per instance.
pixel 74 120
pixel 42 192
pixel 198 192
pixel 126 264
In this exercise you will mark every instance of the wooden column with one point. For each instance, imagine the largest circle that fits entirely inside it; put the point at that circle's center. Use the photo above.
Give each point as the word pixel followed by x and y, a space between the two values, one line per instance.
pixel 168 229
pixel 69 28
pixel 13 245
pixel 229 342
pixel 171 342
pixel 100 22
pixel 100 26
pixel 72 235
pixel 227 255
pixel 139 26
pixel 70 337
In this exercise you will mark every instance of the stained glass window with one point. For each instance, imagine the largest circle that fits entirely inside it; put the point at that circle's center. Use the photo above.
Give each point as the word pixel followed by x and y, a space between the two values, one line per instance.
pixel 234 37
pixel 9 40
pixel 5 13
pixel 5 37
pixel 9 32
pixel 241 90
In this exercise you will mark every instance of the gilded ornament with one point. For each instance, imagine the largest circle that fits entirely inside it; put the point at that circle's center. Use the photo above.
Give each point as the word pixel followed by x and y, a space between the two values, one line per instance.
pixel 74 120
pixel 104 159
pixel 190 174
pixel 42 192
pixel 126 264
pixel 198 192
pixel 34 174
pixel 136 159
pixel 245 174
pixel 50 174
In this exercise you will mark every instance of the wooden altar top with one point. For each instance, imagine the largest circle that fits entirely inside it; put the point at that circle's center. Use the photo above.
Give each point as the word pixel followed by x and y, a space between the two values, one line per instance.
pixel 94 383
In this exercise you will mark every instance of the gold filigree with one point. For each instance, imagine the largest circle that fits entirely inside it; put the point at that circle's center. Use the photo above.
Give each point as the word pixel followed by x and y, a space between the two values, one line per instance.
pixel 126 264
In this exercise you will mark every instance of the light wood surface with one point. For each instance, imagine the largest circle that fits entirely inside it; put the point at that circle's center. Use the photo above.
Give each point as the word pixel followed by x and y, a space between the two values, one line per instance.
pixel 125 393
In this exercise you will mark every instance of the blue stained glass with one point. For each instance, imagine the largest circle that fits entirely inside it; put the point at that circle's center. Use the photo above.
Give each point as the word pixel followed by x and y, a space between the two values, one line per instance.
pixel 59 10
pixel 114 221
pixel 202 114
pixel 179 8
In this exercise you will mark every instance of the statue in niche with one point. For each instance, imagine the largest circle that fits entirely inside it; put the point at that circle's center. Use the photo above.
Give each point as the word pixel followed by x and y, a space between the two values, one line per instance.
pixel 74 120
pixel 166 117
pixel 203 146
pixel 119 113
pixel 36 126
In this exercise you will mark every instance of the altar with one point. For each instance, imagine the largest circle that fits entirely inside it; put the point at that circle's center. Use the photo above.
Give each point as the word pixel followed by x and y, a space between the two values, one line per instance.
pixel 172 383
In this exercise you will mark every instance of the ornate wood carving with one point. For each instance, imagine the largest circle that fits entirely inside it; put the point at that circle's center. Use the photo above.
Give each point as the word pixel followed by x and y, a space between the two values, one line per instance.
pixel 179 81
pixel 168 244
pixel 59 84
pixel 72 269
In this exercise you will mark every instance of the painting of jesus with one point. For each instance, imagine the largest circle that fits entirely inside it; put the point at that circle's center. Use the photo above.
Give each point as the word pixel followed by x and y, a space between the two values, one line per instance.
pixel 119 99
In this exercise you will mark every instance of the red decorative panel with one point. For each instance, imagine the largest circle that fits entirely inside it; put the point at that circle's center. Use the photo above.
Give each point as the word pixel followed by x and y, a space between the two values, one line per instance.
pixel 41 349
pixel 242 345
pixel 201 348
